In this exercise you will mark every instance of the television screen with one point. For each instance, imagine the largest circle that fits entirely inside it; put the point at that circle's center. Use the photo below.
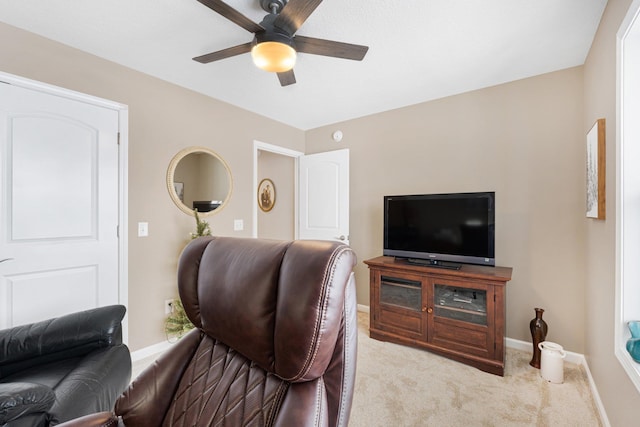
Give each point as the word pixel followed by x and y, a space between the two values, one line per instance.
pixel 440 228
pixel 206 205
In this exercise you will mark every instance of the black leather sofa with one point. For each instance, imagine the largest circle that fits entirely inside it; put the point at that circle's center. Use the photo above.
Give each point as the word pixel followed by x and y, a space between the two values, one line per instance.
pixel 59 369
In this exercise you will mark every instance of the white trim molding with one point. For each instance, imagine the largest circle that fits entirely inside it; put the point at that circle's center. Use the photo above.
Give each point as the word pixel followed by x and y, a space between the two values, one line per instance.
pixel 152 350
pixel 627 274
pixel 276 149
pixel 364 308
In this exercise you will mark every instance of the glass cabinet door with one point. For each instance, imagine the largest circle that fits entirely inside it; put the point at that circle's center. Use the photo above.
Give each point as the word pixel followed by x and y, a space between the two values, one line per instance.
pixel 401 292
pixel 465 304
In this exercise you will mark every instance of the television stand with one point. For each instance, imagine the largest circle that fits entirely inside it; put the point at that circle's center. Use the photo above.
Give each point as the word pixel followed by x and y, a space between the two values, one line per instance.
pixel 435 263
pixel 458 314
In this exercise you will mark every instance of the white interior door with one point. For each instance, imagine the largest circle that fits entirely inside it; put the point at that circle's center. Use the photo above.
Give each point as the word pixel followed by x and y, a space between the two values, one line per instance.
pixel 59 212
pixel 324 196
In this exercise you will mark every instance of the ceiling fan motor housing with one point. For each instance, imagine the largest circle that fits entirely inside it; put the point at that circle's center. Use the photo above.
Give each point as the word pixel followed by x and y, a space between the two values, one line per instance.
pixel 272 33
pixel 273 49
pixel 269 5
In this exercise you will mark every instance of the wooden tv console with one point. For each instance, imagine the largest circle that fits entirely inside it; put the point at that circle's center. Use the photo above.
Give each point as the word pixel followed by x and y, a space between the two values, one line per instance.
pixel 459 314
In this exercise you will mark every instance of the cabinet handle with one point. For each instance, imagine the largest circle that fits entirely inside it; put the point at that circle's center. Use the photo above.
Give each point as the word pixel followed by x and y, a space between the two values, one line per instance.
pixel 429 310
pixel 424 308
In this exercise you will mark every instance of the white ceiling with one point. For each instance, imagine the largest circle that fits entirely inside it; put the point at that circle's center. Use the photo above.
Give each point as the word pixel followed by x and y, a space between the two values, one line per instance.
pixel 419 50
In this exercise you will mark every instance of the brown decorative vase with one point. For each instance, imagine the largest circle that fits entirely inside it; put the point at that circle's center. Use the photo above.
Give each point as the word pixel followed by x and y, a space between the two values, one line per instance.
pixel 538 329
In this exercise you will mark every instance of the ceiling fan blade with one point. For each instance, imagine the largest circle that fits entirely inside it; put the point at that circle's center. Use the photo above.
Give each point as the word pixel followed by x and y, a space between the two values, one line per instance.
pixel 330 48
pixel 294 14
pixel 287 78
pixel 224 53
pixel 232 15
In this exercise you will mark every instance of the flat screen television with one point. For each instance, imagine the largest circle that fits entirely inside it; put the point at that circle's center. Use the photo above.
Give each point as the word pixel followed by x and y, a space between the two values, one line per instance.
pixel 443 230
pixel 206 205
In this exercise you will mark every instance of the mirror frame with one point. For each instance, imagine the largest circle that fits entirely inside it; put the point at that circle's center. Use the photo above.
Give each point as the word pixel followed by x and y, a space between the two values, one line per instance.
pixel 171 172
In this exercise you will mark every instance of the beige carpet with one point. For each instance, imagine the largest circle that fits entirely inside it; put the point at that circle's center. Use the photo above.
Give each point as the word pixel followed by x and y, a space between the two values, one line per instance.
pixel 400 386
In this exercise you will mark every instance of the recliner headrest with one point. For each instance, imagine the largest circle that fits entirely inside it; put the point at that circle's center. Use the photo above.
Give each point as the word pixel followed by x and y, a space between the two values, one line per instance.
pixel 278 303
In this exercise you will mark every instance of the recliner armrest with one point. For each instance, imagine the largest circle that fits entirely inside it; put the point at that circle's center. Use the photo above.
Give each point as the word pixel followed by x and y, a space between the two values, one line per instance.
pixel 100 419
pixel 20 399
pixel 66 336
pixel 149 396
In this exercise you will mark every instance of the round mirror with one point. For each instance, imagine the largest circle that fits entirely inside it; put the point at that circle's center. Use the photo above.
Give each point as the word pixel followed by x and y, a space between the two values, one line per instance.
pixel 198 178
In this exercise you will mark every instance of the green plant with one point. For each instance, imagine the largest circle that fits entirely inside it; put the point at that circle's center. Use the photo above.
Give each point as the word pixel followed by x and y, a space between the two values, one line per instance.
pixel 202 227
pixel 177 323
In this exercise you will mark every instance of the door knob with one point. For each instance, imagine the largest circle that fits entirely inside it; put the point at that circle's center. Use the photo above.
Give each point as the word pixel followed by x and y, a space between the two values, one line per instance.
pixel 342 237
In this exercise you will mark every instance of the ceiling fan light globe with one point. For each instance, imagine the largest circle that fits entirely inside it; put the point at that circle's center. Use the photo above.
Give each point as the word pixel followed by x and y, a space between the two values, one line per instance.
pixel 274 57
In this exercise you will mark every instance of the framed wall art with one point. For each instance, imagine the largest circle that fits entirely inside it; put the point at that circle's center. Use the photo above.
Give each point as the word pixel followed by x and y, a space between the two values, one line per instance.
pixel 266 195
pixel 596 172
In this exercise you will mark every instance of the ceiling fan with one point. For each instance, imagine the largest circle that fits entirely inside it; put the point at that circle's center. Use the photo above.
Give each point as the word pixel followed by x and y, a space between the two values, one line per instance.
pixel 274 45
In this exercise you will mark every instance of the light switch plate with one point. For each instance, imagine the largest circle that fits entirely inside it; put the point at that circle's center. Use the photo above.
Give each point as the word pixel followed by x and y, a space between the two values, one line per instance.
pixel 143 229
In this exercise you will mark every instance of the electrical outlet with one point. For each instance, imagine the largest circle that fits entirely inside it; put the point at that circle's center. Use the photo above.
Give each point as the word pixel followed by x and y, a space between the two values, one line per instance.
pixel 168 306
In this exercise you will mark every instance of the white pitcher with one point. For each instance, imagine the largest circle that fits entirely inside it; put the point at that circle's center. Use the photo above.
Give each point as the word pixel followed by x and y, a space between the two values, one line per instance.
pixel 552 362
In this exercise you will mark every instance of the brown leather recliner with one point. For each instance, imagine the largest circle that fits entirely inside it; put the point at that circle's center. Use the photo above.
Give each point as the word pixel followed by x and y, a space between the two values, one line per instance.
pixel 274 343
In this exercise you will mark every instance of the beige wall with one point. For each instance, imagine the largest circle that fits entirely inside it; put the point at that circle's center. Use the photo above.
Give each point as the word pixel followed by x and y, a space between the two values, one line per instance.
pixel 278 223
pixel 523 140
pixel 163 119
pixel 620 397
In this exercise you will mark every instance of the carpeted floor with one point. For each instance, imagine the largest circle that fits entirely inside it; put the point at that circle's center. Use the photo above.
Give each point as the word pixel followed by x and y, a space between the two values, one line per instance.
pixel 403 387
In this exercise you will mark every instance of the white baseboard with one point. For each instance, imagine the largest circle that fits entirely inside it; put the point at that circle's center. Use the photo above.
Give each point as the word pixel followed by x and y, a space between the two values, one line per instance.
pixel 596 396
pixel 152 350
pixel 572 357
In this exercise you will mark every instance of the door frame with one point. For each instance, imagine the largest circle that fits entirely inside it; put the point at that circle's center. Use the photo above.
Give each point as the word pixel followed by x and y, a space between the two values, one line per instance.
pixel 276 149
pixel 123 127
